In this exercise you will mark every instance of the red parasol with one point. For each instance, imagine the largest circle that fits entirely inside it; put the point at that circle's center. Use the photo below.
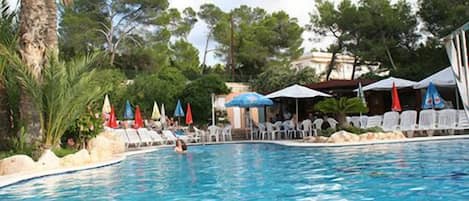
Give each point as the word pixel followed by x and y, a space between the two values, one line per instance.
pixel 396 104
pixel 112 119
pixel 138 118
pixel 189 115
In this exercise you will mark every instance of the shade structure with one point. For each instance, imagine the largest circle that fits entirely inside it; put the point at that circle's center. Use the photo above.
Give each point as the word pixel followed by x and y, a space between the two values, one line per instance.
pixel 189 115
pixel 163 115
pixel 396 104
pixel 296 91
pixel 128 113
pixel 155 115
pixel 443 78
pixel 178 112
pixel 112 119
pixel 138 123
pixel 432 98
pixel 386 84
pixel 248 100
pixel 106 105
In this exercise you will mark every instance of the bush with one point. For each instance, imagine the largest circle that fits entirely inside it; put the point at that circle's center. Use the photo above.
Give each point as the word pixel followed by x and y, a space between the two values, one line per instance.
pixel 61 152
pixel 328 132
pixel 356 130
pixel 198 94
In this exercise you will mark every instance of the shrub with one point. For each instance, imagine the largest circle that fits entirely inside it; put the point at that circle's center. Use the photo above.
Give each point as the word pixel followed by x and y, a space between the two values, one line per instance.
pixel 356 130
pixel 341 107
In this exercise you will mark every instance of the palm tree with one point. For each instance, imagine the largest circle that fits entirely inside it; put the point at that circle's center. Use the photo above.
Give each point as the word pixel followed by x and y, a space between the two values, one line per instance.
pixel 61 93
pixel 341 107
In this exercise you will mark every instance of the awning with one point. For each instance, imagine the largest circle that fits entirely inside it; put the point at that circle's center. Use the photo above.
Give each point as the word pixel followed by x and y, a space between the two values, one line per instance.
pixel 386 84
pixel 443 78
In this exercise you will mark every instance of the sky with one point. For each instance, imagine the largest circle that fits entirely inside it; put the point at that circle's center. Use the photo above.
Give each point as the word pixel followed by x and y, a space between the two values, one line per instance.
pixel 299 9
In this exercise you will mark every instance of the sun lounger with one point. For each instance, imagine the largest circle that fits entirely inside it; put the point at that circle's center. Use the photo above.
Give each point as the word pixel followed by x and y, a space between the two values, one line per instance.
pixel 156 137
pixel 447 120
pixel 145 136
pixel 427 121
pixel 355 121
pixel 390 121
pixel 463 121
pixel 408 122
pixel 123 135
pixel 170 137
pixel 374 121
pixel 134 139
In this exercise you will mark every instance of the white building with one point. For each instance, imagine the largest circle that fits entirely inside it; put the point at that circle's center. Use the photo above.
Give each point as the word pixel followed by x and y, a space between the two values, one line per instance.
pixel 344 65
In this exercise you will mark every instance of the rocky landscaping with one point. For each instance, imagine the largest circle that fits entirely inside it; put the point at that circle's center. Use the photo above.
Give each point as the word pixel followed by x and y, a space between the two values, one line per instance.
pixel 346 137
pixel 102 148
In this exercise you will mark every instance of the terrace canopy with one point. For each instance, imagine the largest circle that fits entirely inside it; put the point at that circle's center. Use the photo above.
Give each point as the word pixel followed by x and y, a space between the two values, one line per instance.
pixel 443 78
pixel 386 84
pixel 296 91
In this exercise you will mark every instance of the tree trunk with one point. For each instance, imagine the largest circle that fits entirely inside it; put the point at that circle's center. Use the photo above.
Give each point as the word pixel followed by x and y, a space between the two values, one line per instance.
pixel 51 38
pixel 355 62
pixel 342 120
pixel 331 65
pixel 4 117
pixel 34 28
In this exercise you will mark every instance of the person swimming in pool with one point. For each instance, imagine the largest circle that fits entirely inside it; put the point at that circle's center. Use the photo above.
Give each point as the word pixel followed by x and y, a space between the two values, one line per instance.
pixel 180 147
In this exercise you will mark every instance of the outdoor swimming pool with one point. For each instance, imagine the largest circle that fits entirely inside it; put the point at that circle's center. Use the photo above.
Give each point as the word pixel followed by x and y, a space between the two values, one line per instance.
pixel 409 171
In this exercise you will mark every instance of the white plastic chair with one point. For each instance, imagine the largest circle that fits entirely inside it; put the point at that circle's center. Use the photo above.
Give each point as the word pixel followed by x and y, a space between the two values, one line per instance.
pixel 226 133
pixel 306 128
pixel 332 122
pixel 374 121
pixel 271 131
pixel 262 132
pixel 214 131
pixel 363 121
pixel 427 119
pixel 317 124
pixel 390 121
pixel 408 122
pixel 278 128
pixel 289 129
pixel 199 135
pixel 447 120
pixel 355 121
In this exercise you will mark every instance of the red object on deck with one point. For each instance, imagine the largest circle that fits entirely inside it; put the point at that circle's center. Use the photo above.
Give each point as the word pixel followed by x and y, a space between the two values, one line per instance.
pixel 138 118
pixel 189 115
pixel 396 104
pixel 112 119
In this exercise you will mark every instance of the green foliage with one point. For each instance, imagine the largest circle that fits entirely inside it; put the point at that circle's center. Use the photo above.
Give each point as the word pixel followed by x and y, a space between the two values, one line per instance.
pixel 185 57
pixel 440 18
pixel 198 94
pixel 260 38
pixel 164 87
pixel 340 107
pixel 86 127
pixel 356 130
pixel 61 152
pixel 327 132
pixel 278 77
pixel 60 94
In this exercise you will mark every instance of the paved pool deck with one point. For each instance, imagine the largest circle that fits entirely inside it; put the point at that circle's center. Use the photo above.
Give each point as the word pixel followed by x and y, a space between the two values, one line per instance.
pixel 12 179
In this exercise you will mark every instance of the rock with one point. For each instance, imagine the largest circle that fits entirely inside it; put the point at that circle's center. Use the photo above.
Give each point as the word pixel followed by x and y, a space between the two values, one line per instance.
pixel 48 161
pixel 322 139
pixel 100 148
pixel 79 158
pixel 399 135
pixel 117 144
pixel 343 136
pixel 16 164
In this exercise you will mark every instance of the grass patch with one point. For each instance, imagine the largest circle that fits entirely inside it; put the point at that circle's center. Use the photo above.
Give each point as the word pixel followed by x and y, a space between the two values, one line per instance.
pixel 61 152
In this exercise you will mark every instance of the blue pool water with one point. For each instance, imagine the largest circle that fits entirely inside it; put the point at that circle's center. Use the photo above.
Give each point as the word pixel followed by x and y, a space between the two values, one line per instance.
pixel 411 171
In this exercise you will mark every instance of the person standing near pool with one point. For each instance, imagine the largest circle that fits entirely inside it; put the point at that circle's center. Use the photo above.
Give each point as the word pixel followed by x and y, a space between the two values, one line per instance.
pixel 180 147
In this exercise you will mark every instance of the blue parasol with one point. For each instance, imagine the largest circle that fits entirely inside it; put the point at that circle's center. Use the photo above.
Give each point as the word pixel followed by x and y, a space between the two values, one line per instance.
pixel 179 112
pixel 247 100
pixel 432 98
pixel 128 114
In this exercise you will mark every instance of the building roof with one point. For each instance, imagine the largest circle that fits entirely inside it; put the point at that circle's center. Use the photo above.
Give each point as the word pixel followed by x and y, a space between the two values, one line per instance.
pixel 339 84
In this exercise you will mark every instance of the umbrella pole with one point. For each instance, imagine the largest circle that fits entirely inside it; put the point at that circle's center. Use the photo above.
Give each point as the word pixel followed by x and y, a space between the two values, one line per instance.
pixel 250 123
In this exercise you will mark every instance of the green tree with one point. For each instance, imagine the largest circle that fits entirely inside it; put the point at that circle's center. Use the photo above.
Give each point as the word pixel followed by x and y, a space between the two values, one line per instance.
pixel 440 18
pixel 185 57
pixel 341 107
pixel 259 39
pixel 198 94
pixel 278 77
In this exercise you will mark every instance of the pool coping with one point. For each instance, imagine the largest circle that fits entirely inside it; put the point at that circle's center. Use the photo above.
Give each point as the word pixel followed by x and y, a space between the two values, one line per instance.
pixel 13 179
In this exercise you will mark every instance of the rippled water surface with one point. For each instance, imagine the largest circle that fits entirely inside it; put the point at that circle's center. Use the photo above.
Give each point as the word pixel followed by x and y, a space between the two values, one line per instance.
pixel 413 171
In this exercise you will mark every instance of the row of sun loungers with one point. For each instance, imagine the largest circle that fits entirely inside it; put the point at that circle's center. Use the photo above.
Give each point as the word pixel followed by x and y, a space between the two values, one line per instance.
pixel 447 120
pixel 144 137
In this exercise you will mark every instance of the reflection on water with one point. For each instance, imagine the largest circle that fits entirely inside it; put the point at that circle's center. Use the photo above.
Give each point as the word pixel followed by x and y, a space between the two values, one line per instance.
pixel 413 171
